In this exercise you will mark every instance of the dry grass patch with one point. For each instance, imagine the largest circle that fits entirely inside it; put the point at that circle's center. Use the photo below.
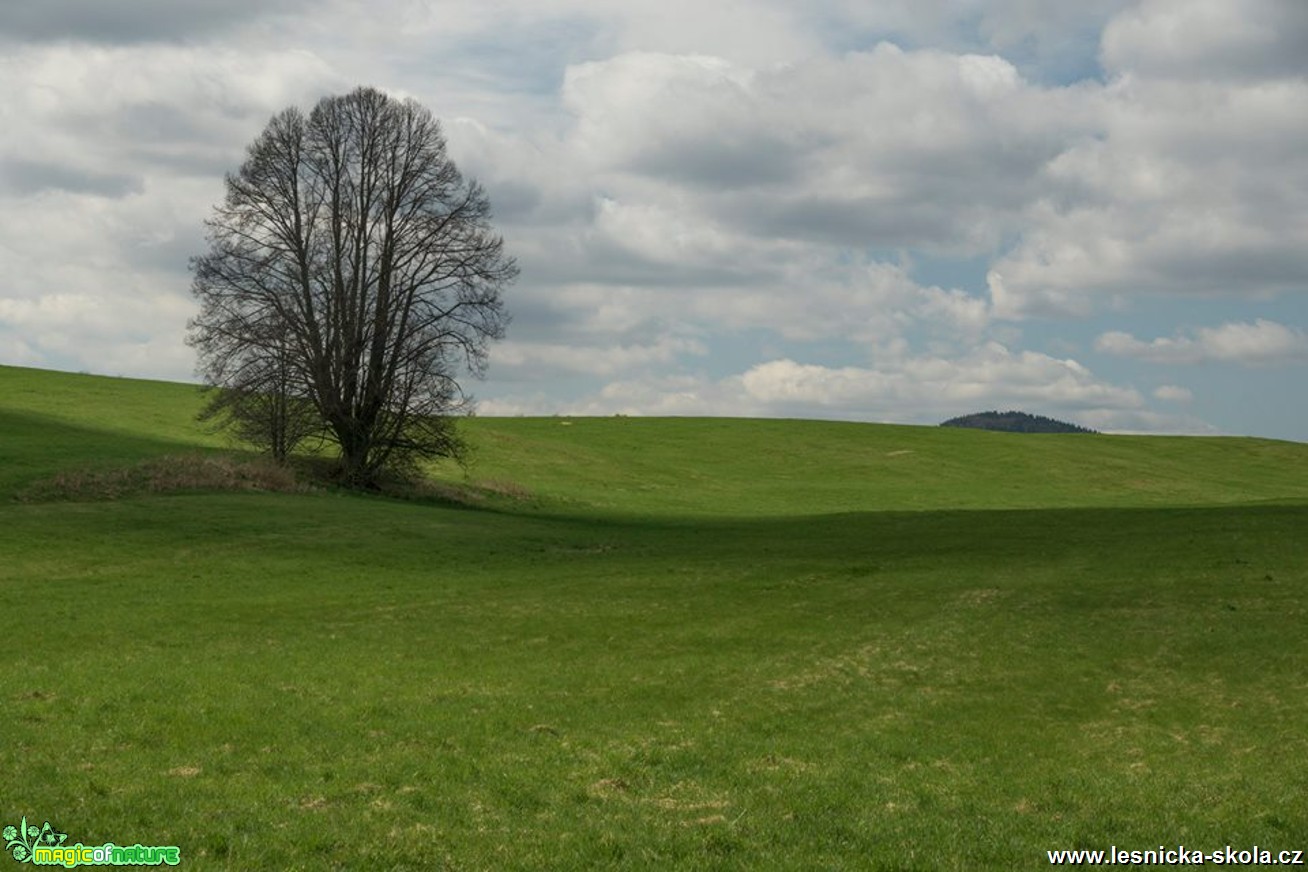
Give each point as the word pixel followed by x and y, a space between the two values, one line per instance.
pixel 168 474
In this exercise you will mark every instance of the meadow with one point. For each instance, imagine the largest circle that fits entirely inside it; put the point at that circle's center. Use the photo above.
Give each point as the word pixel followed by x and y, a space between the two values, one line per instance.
pixel 655 644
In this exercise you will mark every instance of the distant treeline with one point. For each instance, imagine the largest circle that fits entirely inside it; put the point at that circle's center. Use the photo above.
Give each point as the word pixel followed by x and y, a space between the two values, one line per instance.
pixel 1014 422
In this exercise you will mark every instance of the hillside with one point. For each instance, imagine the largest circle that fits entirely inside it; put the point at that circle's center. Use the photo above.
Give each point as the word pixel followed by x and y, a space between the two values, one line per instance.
pixel 771 467
pixel 1014 422
pixel 661 644
pixel 698 466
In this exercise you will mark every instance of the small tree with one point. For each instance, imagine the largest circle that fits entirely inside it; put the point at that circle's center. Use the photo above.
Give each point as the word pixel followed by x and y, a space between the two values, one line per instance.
pixel 261 401
pixel 351 276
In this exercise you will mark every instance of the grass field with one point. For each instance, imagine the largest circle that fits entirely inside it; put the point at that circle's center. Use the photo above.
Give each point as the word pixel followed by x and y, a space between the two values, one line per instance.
pixel 657 643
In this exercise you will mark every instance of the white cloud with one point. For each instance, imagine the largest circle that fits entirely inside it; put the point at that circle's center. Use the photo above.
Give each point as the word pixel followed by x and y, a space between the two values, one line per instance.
pixel 808 298
pixel 1207 38
pixel 14 351
pixel 1145 421
pixel 1173 394
pixel 152 109
pixel 991 376
pixel 121 333
pixel 1193 181
pixel 864 307
pixel 707 195
pixel 1257 343
pixel 910 389
pixel 118 152
pixel 542 359
pixel 882 148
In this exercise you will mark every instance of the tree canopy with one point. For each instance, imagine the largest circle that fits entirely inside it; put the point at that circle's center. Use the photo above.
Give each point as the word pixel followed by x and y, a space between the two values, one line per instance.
pixel 352 276
pixel 1014 422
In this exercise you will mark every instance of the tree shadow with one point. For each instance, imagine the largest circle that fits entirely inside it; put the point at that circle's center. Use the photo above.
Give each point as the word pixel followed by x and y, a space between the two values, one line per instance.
pixel 34 446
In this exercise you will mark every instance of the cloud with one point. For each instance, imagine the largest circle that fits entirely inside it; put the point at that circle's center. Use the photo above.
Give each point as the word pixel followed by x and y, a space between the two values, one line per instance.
pixel 693 120
pixel 1197 39
pixel 24 177
pixel 15 351
pixel 1258 343
pixel 1050 40
pixel 543 360
pixel 912 388
pixel 744 31
pixel 883 148
pixel 782 209
pixel 1192 183
pixel 1145 421
pixel 113 157
pixel 143 112
pixel 126 333
pixel 132 21
pixel 1084 197
pixel 861 308
pixel 708 196
pixel 1173 394
pixel 990 376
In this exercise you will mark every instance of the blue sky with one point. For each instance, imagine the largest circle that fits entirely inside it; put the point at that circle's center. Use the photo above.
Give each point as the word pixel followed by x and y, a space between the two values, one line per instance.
pixel 901 211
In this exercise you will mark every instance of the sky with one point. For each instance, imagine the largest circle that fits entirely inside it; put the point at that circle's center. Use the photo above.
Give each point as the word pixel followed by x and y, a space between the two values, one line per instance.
pixel 898 211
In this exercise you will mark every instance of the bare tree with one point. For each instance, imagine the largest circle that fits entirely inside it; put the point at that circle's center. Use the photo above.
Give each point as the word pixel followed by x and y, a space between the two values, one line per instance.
pixel 352 271
pixel 260 400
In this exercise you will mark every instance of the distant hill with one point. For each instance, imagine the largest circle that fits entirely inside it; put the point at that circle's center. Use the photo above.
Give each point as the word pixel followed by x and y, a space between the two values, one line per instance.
pixel 1014 422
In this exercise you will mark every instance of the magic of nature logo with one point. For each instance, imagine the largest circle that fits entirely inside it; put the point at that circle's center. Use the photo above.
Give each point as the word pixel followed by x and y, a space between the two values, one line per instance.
pixel 44 846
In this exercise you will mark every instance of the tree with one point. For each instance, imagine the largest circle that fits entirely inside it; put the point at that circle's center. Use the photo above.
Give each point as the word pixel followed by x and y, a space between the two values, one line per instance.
pixel 259 401
pixel 352 275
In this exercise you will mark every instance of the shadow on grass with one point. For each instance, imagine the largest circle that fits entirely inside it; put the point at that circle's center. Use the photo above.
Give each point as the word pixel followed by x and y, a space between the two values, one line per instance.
pixel 1022 533
pixel 1034 534
pixel 35 446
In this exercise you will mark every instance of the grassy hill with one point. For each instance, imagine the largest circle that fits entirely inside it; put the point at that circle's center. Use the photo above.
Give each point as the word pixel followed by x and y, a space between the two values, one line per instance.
pixel 671 643
pixel 51 421
pixel 752 467
pixel 699 466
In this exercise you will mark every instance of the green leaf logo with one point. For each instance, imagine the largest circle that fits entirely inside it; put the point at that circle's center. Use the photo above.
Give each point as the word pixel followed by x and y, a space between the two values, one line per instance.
pixel 20 840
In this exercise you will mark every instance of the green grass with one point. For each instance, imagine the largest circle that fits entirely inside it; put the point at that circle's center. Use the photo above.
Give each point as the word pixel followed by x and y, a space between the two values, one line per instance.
pixel 53 421
pixel 705 466
pixel 695 644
